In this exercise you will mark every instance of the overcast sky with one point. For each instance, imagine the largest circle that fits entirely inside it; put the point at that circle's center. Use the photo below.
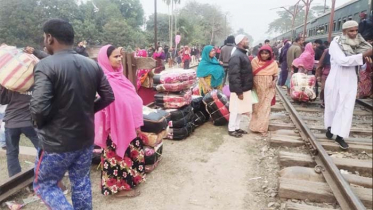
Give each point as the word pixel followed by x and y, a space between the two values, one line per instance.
pixel 251 15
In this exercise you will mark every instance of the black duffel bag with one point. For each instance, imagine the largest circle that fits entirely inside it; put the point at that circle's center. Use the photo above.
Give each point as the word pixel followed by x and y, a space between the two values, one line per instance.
pixel 155 121
pixel 180 133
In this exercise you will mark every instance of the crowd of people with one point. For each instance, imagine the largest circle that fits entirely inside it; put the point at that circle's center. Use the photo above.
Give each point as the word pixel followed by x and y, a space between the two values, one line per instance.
pixel 76 103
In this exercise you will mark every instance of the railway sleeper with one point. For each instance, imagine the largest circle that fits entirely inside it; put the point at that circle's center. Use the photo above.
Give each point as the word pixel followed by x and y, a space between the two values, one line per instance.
pixel 296 206
pixel 317 191
pixel 364 167
pixel 328 145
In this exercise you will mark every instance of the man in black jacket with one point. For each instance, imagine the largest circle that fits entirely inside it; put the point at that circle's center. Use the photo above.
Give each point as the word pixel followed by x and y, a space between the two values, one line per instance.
pixel 63 106
pixel 240 83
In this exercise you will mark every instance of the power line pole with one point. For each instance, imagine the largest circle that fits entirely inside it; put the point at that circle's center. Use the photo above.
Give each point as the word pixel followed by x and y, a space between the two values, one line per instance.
pixel 307 3
pixel 294 13
pixel 331 22
pixel 155 24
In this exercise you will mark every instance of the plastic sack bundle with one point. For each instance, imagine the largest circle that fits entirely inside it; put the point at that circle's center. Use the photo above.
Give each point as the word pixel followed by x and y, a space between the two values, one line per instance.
pixel 302 87
pixel 155 121
pixel 173 101
pixel 217 106
pixel 16 69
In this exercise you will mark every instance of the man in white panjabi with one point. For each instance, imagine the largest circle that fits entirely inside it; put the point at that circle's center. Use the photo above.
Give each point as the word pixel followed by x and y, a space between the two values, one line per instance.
pixel 240 76
pixel 348 53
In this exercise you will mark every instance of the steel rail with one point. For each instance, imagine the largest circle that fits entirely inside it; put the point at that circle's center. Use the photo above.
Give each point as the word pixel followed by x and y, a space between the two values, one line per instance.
pixel 365 104
pixel 340 188
pixel 16 183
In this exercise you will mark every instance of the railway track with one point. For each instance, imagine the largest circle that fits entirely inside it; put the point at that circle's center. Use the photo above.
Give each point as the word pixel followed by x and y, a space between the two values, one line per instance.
pixel 315 169
pixel 368 103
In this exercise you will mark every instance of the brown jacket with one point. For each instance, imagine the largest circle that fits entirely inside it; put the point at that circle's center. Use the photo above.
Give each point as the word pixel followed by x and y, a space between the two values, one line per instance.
pixel 225 54
pixel 293 53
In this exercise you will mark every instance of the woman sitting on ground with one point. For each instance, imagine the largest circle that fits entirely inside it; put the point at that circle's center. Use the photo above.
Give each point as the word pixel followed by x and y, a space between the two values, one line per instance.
pixel 265 70
pixel 117 130
pixel 210 71
pixel 305 62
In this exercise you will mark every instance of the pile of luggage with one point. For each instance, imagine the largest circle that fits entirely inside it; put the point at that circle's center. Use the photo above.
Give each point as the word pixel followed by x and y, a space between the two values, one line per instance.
pixel 175 97
pixel 154 131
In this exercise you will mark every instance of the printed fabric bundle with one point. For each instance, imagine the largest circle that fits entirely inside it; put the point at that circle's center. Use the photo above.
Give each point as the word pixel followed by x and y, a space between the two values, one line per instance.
pixel 174 80
pixel 173 100
pixel 302 87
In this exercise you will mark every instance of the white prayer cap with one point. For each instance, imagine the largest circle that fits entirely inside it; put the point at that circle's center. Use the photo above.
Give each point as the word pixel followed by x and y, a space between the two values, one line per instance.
pixel 239 38
pixel 349 24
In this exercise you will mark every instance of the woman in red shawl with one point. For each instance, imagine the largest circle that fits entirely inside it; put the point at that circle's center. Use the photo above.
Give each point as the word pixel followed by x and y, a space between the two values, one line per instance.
pixel 265 71
pixel 117 128
pixel 186 57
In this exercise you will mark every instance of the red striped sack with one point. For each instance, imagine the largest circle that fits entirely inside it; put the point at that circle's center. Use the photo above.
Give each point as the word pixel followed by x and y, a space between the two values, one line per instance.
pixel 16 69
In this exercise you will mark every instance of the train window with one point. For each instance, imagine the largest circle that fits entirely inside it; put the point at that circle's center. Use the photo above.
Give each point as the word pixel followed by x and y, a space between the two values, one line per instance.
pixel 326 28
pixel 344 20
pixel 334 26
pixel 339 24
pixel 350 17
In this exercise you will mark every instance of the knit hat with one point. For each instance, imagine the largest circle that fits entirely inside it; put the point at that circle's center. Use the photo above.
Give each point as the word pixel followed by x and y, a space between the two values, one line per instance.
pixel 349 24
pixel 230 39
pixel 239 38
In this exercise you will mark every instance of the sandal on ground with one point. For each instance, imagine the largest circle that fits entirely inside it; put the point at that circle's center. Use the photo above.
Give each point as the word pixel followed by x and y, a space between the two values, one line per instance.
pixel 235 134
pixel 129 194
pixel 241 131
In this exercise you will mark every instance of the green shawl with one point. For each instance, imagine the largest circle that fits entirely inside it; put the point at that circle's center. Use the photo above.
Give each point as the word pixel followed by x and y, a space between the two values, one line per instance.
pixel 210 66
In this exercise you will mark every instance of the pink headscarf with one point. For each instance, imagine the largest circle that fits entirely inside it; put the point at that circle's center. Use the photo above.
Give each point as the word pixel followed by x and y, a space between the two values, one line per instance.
pixel 306 59
pixel 121 118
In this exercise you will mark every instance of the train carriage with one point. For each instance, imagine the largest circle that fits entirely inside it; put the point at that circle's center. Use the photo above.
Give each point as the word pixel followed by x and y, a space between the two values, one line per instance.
pixel 318 28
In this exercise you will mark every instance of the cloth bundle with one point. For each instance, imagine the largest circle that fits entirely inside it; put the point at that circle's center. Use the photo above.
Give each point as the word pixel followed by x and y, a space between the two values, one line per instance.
pixel 152 139
pixel 173 100
pixel 174 76
pixel 153 154
pixel 16 69
pixel 217 106
pixel 175 87
pixel 175 80
pixel 302 87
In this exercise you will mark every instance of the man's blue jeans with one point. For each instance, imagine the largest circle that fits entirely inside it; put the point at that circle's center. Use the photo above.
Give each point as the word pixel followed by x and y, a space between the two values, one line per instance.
pixel 12 136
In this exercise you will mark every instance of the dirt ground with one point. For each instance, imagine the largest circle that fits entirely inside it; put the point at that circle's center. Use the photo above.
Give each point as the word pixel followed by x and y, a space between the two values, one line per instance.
pixel 209 170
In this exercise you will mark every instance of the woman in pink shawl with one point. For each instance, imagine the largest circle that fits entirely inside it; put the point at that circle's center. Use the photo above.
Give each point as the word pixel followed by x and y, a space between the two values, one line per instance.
pixel 306 60
pixel 117 128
